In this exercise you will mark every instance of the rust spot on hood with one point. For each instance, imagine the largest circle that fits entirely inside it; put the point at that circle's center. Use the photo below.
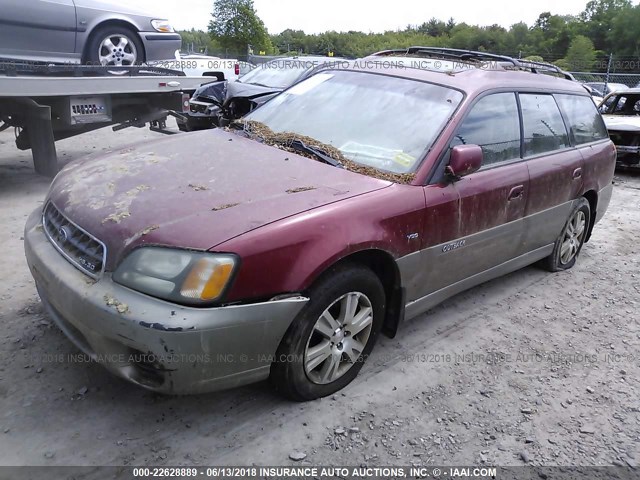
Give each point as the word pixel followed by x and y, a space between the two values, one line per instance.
pixel 224 207
pixel 148 230
pixel 300 189
pixel 122 206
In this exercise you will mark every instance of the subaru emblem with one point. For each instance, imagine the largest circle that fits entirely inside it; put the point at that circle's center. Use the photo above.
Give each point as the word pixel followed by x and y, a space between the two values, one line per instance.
pixel 64 234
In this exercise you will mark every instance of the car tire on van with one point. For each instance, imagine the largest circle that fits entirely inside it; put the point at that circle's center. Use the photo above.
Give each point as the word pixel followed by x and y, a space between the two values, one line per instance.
pixel 319 355
pixel 97 49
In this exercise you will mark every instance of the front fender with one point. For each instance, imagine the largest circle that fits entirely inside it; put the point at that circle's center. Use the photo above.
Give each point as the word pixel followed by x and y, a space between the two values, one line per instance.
pixel 89 20
pixel 290 254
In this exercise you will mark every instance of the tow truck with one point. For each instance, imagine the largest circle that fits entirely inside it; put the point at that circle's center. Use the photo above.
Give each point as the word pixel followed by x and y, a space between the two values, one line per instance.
pixel 46 103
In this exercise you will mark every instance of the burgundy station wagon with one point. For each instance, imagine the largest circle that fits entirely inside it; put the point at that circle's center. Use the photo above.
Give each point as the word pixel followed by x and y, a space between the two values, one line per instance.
pixel 280 248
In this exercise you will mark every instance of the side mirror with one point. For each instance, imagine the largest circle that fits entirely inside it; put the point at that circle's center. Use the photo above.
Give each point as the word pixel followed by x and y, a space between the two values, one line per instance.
pixel 464 160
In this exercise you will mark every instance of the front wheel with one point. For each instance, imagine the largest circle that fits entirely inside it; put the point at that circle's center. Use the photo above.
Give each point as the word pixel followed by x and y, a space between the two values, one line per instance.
pixel 114 46
pixel 570 242
pixel 327 344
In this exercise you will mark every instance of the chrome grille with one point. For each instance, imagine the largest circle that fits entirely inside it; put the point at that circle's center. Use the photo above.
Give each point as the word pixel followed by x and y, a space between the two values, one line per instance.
pixel 81 248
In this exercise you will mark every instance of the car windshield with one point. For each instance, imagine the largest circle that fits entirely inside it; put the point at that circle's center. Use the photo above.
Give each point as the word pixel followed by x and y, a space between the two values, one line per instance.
pixel 275 74
pixel 379 121
pixel 611 87
pixel 622 105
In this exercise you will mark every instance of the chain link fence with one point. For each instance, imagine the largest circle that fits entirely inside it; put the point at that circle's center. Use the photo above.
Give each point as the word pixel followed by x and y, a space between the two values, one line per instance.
pixel 631 80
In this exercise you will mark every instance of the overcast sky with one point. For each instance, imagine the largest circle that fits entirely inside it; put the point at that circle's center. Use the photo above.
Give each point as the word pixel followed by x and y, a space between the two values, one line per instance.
pixel 314 16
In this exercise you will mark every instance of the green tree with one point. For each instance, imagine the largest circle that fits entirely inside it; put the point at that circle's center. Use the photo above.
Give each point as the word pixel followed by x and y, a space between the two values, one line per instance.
pixel 290 40
pixel 551 35
pixel 236 25
pixel 433 28
pixel 597 19
pixel 581 54
pixel 196 41
pixel 624 37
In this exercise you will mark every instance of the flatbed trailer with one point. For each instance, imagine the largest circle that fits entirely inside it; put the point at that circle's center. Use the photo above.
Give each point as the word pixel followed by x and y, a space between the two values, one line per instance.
pixel 46 103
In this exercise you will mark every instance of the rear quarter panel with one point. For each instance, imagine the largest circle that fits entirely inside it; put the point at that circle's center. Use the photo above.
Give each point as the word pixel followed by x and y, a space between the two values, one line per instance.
pixel 599 167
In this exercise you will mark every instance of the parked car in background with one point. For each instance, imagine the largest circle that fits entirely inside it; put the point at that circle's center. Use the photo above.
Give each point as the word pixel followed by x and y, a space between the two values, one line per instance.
pixel 97 32
pixel 216 104
pixel 196 65
pixel 284 246
pixel 602 89
pixel 595 95
pixel 621 113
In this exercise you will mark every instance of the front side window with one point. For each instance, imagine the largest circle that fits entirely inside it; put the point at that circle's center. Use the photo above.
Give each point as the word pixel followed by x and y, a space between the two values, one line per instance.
pixel 544 129
pixel 494 125
pixel 585 123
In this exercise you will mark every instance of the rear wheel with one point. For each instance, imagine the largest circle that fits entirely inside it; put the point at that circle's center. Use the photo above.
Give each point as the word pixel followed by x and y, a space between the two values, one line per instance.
pixel 570 242
pixel 329 341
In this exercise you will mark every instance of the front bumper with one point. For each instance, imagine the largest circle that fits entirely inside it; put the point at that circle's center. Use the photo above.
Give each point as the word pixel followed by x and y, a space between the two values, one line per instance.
pixel 197 121
pixel 161 346
pixel 160 46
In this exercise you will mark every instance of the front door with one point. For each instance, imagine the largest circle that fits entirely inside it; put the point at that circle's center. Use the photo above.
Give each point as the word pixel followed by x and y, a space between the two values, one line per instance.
pixel 475 224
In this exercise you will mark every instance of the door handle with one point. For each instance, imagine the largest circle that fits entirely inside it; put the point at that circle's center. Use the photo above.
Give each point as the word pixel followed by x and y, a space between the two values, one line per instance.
pixel 516 192
pixel 577 173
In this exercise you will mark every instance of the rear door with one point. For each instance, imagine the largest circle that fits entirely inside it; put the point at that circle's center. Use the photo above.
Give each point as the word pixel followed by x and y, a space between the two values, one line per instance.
pixel 556 169
pixel 37 29
pixel 476 223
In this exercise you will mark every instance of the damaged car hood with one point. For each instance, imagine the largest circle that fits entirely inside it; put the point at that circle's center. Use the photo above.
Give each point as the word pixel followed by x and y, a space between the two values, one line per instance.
pixel 622 123
pixel 223 92
pixel 195 191
pixel 249 90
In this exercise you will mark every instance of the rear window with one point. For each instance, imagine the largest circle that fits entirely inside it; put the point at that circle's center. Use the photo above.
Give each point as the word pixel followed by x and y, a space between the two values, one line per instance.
pixel 544 129
pixel 585 123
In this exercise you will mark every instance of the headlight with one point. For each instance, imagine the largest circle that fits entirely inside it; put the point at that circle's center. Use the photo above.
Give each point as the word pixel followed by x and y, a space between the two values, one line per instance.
pixel 180 276
pixel 162 26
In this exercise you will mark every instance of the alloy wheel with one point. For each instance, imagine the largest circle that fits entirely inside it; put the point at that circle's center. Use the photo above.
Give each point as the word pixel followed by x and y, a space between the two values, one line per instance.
pixel 117 50
pixel 338 338
pixel 573 237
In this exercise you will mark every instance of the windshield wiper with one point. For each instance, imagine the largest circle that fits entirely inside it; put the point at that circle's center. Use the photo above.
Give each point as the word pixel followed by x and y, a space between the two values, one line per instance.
pixel 300 145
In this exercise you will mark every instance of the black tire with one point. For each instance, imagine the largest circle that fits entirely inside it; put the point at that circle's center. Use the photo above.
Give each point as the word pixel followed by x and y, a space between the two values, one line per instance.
pixel 91 56
pixel 288 373
pixel 554 262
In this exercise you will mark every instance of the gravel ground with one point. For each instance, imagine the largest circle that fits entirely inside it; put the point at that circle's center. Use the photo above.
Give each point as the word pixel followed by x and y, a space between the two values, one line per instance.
pixel 533 368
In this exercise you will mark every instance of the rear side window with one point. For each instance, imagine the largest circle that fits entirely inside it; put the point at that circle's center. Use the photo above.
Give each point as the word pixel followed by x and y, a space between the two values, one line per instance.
pixel 494 125
pixel 585 123
pixel 544 129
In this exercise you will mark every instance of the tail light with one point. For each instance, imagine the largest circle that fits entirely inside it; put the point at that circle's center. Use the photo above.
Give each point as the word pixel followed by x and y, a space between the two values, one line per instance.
pixel 237 69
pixel 185 103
